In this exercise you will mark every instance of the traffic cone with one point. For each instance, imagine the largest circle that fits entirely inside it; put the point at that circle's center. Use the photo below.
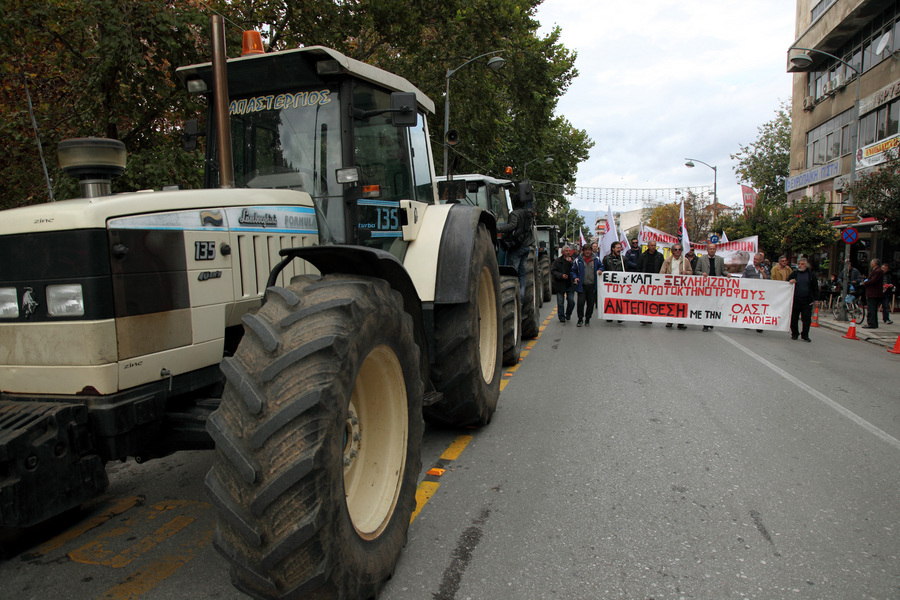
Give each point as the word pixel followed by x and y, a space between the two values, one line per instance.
pixel 896 349
pixel 815 319
pixel 851 333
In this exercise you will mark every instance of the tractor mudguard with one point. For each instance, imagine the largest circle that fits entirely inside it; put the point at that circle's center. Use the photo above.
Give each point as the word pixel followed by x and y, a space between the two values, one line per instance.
pixel 455 257
pixel 369 262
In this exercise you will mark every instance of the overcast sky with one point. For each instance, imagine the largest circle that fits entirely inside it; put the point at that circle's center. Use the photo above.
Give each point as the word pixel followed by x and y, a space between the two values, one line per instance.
pixel 662 80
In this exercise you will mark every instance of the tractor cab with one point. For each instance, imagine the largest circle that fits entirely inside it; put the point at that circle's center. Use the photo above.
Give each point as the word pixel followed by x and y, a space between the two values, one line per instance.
pixel 350 135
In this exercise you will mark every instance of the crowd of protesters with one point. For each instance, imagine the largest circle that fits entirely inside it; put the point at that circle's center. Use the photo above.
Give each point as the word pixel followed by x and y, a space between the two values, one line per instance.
pixel 575 274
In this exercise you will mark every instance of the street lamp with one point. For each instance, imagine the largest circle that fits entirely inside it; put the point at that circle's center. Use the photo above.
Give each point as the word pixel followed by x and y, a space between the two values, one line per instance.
pixel 690 165
pixel 494 63
pixel 804 61
pixel 546 159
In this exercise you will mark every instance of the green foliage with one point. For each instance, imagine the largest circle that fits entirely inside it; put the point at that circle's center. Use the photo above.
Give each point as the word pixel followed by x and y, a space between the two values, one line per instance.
pixel 765 163
pixel 698 216
pixel 107 68
pixel 570 219
pixel 95 68
pixel 801 228
pixel 878 195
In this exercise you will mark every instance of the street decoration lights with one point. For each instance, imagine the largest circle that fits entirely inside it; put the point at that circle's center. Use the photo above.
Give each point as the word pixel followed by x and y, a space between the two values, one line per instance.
pixel 494 63
pixel 690 165
pixel 804 61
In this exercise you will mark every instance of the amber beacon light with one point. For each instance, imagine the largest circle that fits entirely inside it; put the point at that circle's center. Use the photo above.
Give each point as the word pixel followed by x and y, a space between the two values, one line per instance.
pixel 252 43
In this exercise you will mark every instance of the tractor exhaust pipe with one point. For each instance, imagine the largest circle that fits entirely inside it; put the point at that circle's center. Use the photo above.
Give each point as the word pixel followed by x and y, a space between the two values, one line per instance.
pixel 220 100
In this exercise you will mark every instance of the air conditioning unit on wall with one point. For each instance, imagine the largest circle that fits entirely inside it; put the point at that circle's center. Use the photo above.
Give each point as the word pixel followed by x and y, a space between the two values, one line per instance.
pixel 840 82
pixel 829 87
pixel 809 103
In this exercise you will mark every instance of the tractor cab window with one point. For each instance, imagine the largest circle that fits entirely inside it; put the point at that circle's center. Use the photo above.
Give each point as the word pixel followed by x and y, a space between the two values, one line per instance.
pixel 394 164
pixel 499 202
pixel 292 141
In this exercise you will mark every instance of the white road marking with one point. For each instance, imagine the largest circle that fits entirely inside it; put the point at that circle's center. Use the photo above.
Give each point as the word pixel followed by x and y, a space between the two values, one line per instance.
pixel 818 395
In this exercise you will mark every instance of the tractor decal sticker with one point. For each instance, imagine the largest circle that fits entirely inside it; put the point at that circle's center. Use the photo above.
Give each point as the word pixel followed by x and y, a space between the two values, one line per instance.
pixel 211 217
pixel 381 218
pixel 270 219
pixel 279 102
pixel 264 219
pixel 29 304
pixel 284 219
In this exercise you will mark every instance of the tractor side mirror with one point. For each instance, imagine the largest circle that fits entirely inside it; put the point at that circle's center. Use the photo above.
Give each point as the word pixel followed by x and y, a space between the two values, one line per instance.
pixel 403 109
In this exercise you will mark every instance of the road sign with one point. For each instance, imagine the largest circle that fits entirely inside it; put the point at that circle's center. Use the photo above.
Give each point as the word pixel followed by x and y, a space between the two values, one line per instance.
pixel 849 210
pixel 849 219
pixel 850 235
pixel 713 239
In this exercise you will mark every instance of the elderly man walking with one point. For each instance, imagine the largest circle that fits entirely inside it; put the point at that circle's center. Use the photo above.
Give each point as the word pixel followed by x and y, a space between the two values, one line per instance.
pixel 676 264
pixel 710 265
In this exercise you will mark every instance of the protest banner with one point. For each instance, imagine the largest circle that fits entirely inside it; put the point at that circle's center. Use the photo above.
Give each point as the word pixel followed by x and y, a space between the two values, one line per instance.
pixel 696 300
pixel 737 254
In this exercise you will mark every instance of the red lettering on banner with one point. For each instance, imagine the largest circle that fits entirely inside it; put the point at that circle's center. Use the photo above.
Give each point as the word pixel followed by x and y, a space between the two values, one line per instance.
pixel 644 308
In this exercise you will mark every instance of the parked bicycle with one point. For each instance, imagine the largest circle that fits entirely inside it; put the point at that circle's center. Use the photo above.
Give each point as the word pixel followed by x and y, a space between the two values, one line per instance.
pixel 855 309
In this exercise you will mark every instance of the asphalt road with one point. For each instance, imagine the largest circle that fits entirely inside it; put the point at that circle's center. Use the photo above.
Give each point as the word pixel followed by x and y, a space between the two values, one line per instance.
pixel 624 461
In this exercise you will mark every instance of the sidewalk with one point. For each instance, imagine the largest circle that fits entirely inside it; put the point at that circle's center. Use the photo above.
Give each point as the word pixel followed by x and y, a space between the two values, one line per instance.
pixel 885 335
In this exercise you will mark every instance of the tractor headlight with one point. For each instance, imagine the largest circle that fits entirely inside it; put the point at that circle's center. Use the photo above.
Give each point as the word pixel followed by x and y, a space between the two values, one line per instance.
pixel 9 303
pixel 65 300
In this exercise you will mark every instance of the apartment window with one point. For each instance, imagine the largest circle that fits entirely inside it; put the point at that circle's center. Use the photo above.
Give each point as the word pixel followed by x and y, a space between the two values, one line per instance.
pixel 879 124
pixel 820 8
pixel 828 141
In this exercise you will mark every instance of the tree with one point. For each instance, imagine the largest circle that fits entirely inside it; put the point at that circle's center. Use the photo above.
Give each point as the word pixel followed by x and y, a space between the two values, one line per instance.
pixel 105 68
pixel 877 194
pixel 800 228
pixel 698 213
pixel 765 163
pixel 96 68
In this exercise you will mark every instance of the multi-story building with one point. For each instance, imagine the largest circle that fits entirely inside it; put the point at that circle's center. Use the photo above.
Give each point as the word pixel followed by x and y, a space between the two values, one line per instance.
pixel 865 36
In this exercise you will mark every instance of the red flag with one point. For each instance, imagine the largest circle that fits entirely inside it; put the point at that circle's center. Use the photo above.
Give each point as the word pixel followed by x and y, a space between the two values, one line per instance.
pixel 749 195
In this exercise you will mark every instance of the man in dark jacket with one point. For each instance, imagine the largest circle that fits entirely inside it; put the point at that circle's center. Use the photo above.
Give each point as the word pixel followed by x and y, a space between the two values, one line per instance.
pixel 806 292
pixel 650 261
pixel 710 265
pixel 518 238
pixel 584 276
pixel 561 284
pixel 632 255
pixel 874 285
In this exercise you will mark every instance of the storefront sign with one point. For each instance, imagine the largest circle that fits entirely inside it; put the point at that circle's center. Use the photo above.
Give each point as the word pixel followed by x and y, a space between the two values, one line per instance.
pixel 873 154
pixel 812 176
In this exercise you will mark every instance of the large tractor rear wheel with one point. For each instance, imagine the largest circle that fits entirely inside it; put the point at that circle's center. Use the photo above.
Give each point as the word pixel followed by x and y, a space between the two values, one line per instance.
pixel 511 300
pixel 468 339
pixel 317 441
pixel 530 307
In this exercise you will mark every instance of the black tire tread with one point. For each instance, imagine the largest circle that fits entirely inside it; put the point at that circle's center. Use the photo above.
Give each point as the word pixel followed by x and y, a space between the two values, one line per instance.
pixel 276 442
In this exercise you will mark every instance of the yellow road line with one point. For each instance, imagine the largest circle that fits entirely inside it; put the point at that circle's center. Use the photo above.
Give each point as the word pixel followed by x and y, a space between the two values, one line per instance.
pixel 424 493
pixel 143 580
pixel 456 448
pixel 118 507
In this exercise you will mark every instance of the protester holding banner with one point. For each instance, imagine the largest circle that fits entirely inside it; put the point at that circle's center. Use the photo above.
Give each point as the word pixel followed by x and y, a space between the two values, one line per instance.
pixel 613 262
pixel 676 264
pixel 561 282
pixel 650 261
pixel 584 273
pixel 806 292
pixel 756 270
pixel 710 265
